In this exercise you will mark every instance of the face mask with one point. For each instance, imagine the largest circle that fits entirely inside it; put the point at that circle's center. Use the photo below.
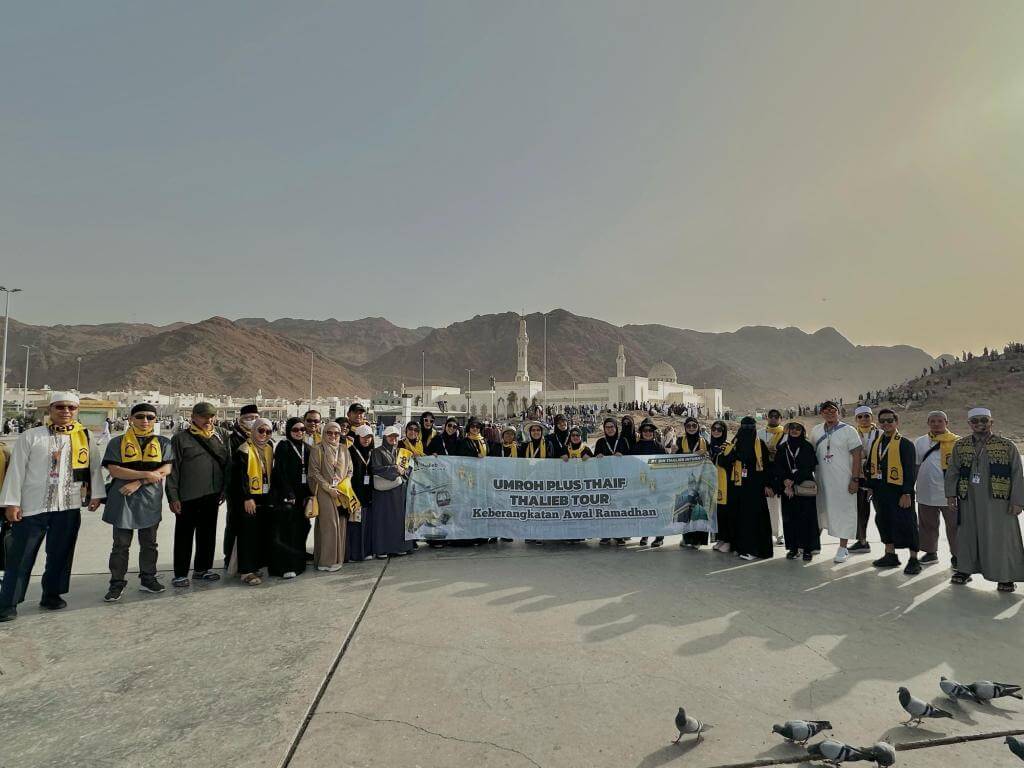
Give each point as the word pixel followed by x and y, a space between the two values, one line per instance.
pixel 248 421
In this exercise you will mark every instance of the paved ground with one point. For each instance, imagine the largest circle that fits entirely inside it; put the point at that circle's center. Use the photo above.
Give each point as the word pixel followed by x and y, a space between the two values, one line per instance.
pixel 505 655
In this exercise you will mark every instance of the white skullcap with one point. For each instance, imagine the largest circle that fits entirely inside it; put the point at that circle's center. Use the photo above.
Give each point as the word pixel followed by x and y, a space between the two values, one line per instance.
pixel 392 430
pixel 64 397
pixel 362 431
pixel 862 409
pixel 979 412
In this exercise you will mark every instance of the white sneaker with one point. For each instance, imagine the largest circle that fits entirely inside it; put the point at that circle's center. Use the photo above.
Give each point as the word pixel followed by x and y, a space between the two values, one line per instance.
pixel 842 555
pixel 748 557
pixel 288 575
pixel 725 547
pixel 778 541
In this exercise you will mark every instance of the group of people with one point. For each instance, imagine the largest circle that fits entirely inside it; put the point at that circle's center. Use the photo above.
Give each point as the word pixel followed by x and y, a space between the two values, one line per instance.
pixel 330 476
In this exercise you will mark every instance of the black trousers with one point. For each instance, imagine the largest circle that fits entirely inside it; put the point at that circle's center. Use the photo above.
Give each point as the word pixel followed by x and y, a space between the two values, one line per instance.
pixel 863 514
pixel 60 530
pixel 897 526
pixel 119 553
pixel 198 520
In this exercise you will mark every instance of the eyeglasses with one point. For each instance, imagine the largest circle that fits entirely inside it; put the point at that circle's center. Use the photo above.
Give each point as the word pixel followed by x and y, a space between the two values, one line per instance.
pixel 887 421
pixel 979 420
pixel 716 429
pixel 64 407
pixel 298 429
pixel 262 431
pixel 313 421
pixel 863 415
pixel 145 416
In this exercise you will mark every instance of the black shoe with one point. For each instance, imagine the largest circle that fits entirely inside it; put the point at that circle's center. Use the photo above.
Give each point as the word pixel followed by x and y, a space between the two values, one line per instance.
pixel 791 555
pixel 929 558
pixel 605 542
pixel 859 546
pixel 53 602
pixel 620 542
pixel 643 541
pixel 150 584
pixel 952 562
pixel 808 557
pixel 913 567
pixel 506 541
pixel 114 593
pixel 309 557
pixel 8 614
pixel 658 541
pixel 887 561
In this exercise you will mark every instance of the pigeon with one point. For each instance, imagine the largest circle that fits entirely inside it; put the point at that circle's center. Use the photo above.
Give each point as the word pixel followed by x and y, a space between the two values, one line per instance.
pixel 883 753
pixel 917 709
pixel 986 690
pixel 835 752
pixel 686 725
pixel 955 690
pixel 1016 745
pixel 801 731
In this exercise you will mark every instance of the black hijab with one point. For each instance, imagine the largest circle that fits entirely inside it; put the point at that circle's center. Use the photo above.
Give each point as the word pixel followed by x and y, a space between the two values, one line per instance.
pixel 288 431
pixel 628 430
pixel 717 444
pixel 745 439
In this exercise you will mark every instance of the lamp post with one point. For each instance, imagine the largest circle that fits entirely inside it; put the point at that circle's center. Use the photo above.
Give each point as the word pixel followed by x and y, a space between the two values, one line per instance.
pixel 469 393
pixel 545 373
pixel 3 364
pixel 24 392
pixel 311 378
pixel 423 375
pixel 78 376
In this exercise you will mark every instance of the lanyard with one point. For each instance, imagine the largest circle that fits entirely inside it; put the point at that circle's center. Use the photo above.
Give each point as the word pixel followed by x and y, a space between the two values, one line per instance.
pixel 301 454
pixel 791 457
pixel 613 448
pixel 259 458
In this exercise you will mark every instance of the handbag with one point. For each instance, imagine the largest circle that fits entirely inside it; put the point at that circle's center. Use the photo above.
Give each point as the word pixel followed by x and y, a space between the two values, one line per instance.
pixel 312 508
pixel 381 484
pixel 805 488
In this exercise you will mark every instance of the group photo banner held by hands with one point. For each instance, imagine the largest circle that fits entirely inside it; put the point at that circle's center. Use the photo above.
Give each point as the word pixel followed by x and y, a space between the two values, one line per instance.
pixel 451 498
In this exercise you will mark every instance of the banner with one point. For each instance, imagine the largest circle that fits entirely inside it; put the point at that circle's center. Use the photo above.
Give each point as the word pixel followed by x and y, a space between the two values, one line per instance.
pixel 451 498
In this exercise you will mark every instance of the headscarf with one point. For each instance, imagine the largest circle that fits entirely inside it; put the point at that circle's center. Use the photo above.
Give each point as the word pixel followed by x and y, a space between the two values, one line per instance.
pixel 628 430
pixel 288 431
pixel 261 422
pixel 717 444
pixel 745 438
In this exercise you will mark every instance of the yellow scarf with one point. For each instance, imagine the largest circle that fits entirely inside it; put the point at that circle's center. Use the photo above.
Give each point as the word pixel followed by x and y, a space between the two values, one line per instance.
pixel 702 445
pixel 481 445
pixel 207 433
pixel 79 444
pixel 132 452
pixel 533 453
pixel 316 437
pixel 575 453
pixel 416 449
pixel 945 441
pixel 723 481
pixel 867 429
pixel 513 451
pixel 774 434
pixel 258 470
pixel 895 473
pixel 737 468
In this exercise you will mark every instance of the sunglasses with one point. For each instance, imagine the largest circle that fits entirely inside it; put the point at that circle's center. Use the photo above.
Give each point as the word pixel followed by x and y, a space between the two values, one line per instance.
pixel 263 431
pixel 716 429
pixel 887 421
pixel 979 420
pixel 313 421
pixel 864 416
pixel 298 429
pixel 145 416
pixel 64 407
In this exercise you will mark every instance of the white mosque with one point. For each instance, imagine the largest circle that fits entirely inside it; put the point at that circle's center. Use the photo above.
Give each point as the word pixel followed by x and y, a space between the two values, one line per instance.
pixel 660 385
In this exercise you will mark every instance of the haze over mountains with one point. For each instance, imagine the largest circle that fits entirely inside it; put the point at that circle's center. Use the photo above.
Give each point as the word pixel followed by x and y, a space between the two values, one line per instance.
pixel 755 365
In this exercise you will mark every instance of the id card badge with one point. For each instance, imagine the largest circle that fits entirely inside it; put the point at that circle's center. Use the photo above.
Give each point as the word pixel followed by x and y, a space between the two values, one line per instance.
pixel 828 458
pixel 976 478
pixel 266 488
pixel 304 481
pixel 54 478
pixel 744 473
pixel 877 475
pixel 366 479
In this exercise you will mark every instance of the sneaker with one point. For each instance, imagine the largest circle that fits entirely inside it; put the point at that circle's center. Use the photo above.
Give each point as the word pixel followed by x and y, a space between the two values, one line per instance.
pixel 779 541
pixel 53 602
pixel 180 581
pixel 114 593
pixel 643 541
pixel 913 567
pixel 205 575
pixel 748 557
pixel 889 560
pixel 842 555
pixel 150 584
pixel 860 546
pixel 620 542
pixel 605 542
pixel 791 555
pixel 289 575
pixel 658 541
pixel 929 558
pixel 808 557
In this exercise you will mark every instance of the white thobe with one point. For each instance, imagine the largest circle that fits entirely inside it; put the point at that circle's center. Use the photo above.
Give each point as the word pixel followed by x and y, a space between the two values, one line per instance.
pixel 837 507
pixel 27 484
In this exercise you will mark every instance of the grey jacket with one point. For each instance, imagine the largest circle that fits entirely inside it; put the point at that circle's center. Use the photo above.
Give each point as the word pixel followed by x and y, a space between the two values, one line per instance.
pixel 195 473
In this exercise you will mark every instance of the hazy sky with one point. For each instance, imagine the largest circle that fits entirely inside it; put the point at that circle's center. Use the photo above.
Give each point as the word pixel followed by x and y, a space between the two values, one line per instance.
pixel 704 165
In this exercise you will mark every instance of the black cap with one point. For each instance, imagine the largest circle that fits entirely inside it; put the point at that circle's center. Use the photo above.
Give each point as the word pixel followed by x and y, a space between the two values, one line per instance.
pixel 357 407
pixel 144 408
pixel 247 409
pixel 828 404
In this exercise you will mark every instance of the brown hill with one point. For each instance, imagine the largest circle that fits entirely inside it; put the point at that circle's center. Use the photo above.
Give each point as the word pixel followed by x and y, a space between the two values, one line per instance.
pixel 353 342
pixel 215 356
pixel 755 365
pixel 57 346
pixel 993 383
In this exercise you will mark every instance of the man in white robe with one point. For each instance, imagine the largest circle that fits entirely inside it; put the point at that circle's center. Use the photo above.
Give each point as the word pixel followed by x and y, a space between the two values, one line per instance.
pixel 840 471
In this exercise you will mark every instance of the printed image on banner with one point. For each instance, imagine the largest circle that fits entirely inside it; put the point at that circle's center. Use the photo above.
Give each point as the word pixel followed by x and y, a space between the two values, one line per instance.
pixel 452 498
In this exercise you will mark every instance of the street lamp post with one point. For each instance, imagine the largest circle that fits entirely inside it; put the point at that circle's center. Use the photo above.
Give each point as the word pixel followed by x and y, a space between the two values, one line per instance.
pixel 545 374
pixel 311 378
pixel 3 364
pixel 469 392
pixel 24 392
pixel 78 376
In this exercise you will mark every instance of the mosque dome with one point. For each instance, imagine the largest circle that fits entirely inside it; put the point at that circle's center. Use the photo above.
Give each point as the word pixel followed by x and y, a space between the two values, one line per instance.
pixel 662 371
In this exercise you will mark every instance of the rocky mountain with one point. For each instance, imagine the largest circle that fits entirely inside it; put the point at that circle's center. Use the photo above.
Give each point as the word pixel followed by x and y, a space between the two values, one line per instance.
pixel 754 365
pixel 353 342
pixel 215 356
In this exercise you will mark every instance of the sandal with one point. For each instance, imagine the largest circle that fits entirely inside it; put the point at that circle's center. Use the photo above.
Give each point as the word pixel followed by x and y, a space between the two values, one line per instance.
pixel 960 578
pixel 1007 586
pixel 251 579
